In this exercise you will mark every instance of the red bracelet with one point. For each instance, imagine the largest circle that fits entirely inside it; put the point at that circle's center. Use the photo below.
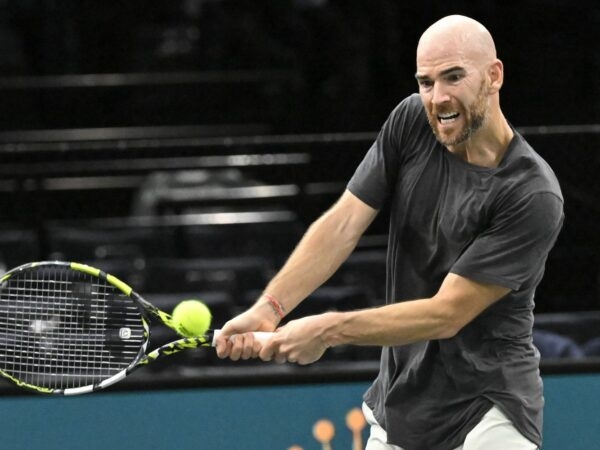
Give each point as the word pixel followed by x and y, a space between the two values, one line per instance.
pixel 277 307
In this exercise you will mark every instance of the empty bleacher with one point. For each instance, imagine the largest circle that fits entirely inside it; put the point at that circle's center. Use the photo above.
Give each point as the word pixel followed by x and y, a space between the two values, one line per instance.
pixel 195 174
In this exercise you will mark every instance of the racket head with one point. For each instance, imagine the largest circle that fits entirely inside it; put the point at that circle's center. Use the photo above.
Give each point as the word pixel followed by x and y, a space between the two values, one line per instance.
pixel 68 328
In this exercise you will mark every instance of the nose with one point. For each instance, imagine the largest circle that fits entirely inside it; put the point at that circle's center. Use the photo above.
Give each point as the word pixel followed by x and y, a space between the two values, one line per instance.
pixel 439 94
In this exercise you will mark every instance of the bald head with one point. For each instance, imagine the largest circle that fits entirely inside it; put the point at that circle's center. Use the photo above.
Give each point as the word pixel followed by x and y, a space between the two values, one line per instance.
pixel 457 36
pixel 459 80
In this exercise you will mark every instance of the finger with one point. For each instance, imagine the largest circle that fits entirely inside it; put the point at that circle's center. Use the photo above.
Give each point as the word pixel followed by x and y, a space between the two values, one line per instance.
pixel 256 348
pixel 223 341
pixel 291 356
pixel 281 356
pixel 304 361
pixel 267 351
pixel 248 347
pixel 237 346
pixel 223 347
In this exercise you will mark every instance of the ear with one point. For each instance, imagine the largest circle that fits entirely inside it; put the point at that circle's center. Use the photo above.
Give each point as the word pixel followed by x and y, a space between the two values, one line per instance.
pixel 496 76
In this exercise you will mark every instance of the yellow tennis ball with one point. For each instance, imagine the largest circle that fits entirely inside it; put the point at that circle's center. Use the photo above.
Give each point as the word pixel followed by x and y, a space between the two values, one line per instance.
pixel 191 318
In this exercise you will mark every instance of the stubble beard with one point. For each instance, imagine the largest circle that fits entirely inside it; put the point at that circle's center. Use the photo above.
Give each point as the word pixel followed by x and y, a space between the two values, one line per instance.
pixel 476 117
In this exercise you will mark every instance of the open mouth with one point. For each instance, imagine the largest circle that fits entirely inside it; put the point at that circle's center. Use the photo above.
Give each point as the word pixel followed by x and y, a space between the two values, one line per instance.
pixel 447 118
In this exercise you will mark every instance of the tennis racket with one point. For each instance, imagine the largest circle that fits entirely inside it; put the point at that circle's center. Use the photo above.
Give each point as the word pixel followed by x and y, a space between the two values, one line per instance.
pixel 68 328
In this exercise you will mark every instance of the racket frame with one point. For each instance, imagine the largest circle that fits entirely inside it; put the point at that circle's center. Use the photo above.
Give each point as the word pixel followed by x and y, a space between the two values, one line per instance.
pixel 147 310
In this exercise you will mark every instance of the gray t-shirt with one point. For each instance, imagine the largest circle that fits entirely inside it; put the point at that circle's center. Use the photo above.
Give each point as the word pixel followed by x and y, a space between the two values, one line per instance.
pixel 492 225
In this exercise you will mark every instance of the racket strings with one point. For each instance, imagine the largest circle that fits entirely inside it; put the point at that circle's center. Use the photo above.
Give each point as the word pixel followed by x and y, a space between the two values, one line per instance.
pixel 61 328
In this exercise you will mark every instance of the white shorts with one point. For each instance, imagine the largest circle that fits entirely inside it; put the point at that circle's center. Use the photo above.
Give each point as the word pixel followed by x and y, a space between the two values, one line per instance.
pixel 494 432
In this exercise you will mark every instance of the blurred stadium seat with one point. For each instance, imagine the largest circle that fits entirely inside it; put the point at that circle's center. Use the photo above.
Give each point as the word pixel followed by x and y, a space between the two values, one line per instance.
pixel 17 246
pixel 234 276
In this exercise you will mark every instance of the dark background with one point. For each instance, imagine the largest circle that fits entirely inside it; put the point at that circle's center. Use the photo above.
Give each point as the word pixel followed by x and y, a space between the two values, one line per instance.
pixel 353 59
pixel 318 77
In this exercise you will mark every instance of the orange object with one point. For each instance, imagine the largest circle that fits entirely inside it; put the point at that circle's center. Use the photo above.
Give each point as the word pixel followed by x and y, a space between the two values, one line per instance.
pixel 323 432
pixel 355 421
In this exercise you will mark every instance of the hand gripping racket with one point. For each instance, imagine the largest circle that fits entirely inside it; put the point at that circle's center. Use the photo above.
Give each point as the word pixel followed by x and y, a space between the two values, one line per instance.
pixel 68 328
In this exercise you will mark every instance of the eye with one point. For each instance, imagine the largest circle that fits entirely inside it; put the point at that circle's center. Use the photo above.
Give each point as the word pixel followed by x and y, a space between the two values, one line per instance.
pixel 425 84
pixel 454 77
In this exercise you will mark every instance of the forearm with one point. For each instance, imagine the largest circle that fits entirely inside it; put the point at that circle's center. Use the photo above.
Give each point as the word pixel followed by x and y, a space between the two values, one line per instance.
pixel 458 301
pixel 325 246
pixel 322 250
pixel 389 325
pixel 306 339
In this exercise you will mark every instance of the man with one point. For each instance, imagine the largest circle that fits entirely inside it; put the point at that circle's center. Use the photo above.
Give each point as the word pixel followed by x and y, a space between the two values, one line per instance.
pixel 474 212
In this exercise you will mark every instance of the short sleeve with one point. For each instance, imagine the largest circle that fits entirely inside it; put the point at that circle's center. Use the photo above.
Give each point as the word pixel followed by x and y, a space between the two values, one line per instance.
pixel 509 252
pixel 376 175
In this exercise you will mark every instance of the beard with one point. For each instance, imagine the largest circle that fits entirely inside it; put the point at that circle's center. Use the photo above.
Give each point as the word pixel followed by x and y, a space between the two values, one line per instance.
pixel 475 117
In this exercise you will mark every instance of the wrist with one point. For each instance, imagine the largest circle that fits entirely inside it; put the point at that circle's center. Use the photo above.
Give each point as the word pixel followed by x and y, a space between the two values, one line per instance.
pixel 332 331
pixel 275 307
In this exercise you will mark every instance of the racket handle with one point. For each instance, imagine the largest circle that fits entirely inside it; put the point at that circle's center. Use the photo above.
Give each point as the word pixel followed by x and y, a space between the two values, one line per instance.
pixel 261 336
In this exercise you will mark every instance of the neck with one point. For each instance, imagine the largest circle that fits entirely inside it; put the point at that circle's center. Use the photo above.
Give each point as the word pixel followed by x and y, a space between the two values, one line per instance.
pixel 487 146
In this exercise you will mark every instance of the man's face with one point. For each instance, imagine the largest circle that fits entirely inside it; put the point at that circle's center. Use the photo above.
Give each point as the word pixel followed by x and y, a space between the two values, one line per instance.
pixel 454 93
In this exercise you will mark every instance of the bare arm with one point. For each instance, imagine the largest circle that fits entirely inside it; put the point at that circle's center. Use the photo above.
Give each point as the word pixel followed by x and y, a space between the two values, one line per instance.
pixel 458 301
pixel 325 246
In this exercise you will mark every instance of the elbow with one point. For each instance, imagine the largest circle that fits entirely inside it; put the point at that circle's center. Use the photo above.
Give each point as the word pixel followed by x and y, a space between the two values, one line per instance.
pixel 448 331
pixel 450 320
